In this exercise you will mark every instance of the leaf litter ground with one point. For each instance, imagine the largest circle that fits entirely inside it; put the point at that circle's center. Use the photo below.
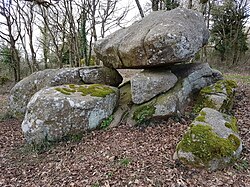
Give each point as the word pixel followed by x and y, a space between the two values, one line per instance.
pixel 121 156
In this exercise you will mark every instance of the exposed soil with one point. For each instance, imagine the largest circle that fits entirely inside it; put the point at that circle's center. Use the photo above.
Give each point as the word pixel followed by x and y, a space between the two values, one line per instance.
pixel 121 156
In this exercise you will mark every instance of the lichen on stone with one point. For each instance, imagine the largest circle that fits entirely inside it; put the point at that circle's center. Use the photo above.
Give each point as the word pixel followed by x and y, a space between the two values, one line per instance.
pixel 96 90
pixel 224 89
pixel 205 144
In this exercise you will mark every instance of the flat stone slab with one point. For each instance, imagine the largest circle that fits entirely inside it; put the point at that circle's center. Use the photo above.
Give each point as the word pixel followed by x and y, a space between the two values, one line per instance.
pixel 21 93
pixel 149 83
pixel 161 38
pixel 191 78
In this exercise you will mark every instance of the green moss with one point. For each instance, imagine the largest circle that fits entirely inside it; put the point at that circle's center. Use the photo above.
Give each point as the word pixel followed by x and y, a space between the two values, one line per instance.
pixel 96 90
pixel 143 113
pixel 219 86
pixel 202 102
pixel 234 140
pixel 201 117
pixel 69 90
pixel 226 87
pixel 202 142
pixel 106 122
pixel 207 89
pixel 232 125
pixel 62 91
pixel 230 86
pixel 72 86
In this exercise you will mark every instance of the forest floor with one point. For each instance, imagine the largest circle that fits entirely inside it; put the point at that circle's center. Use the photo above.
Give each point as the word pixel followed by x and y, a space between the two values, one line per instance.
pixel 121 156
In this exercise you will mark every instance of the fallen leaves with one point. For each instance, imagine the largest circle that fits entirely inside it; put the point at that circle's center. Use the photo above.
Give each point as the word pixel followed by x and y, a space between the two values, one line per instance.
pixel 121 156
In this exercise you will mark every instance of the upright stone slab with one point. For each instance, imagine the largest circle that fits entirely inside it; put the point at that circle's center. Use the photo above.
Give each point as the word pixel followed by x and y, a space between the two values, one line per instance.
pixel 161 38
pixel 212 141
pixel 149 83
pixel 55 112
pixel 192 77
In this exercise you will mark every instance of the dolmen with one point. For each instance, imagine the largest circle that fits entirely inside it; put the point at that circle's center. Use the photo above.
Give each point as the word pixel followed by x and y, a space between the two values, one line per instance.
pixel 55 103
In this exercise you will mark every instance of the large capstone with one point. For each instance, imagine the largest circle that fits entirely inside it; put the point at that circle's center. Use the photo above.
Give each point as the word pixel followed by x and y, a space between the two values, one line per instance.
pixel 56 112
pixel 149 83
pixel 21 93
pixel 212 141
pixel 161 38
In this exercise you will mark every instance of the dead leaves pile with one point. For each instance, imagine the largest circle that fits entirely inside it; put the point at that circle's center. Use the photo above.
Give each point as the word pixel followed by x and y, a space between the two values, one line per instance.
pixel 122 156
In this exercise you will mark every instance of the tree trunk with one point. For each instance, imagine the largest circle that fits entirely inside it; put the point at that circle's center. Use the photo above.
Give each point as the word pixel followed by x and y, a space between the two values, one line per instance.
pixel 139 8
pixel 155 5
pixel 190 2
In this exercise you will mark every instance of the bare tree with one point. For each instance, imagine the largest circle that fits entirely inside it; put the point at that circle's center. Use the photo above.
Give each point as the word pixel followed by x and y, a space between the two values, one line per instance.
pixel 139 8
pixel 11 33
pixel 155 5
pixel 27 13
pixel 55 24
pixel 72 34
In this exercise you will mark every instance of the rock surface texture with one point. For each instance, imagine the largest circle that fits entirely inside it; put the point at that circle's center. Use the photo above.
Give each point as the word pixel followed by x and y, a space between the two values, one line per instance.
pixel 161 38
pixel 219 96
pixel 56 112
pixel 211 142
pixel 100 75
pixel 192 77
pixel 26 88
pixel 149 83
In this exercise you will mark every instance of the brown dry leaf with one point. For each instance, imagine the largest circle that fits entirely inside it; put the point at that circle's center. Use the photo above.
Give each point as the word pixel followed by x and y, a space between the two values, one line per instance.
pixel 122 156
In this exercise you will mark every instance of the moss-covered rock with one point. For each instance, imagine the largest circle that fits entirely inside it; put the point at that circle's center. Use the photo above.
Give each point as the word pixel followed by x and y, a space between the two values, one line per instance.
pixel 55 112
pixel 143 113
pixel 124 104
pixel 219 96
pixel 211 141
pixel 22 92
pixel 192 77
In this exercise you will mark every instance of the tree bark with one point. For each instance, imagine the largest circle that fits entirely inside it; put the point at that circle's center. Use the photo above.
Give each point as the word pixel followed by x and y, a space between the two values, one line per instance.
pixel 139 8
pixel 155 5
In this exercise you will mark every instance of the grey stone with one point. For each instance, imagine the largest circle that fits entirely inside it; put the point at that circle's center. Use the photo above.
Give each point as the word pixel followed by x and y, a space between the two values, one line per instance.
pixel 55 112
pixel 211 142
pixel 192 77
pixel 21 93
pixel 161 38
pixel 149 83
pixel 219 96
pixel 100 75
